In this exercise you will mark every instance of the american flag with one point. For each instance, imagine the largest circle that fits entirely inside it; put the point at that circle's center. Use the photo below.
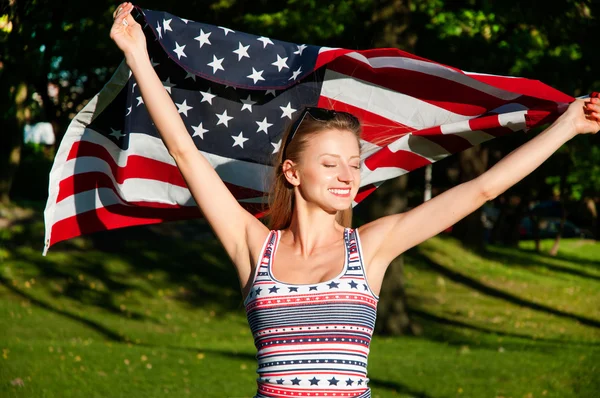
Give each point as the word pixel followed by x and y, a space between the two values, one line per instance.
pixel 237 92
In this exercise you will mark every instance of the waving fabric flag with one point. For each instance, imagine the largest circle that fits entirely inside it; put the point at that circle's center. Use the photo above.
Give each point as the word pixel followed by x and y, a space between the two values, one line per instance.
pixel 237 92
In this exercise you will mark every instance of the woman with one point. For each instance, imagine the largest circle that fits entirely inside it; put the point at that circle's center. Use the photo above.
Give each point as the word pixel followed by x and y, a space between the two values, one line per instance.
pixel 310 283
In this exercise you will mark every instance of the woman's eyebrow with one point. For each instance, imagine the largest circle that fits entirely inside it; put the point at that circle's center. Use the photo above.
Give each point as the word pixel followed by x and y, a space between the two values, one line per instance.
pixel 337 156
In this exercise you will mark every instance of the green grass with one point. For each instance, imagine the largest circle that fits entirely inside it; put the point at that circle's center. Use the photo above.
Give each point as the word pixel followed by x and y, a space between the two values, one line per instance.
pixel 156 311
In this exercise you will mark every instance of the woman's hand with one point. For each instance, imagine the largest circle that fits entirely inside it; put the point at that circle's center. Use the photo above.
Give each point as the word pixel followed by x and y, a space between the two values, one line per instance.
pixel 584 115
pixel 126 32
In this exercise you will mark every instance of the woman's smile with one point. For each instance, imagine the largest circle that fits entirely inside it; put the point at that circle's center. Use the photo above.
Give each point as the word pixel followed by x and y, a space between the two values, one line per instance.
pixel 342 192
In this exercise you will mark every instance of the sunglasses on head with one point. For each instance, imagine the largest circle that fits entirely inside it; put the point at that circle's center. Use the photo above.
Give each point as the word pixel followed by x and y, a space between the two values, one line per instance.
pixel 319 114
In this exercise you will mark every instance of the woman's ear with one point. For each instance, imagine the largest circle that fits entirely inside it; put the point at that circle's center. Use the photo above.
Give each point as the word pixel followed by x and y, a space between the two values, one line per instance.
pixel 290 172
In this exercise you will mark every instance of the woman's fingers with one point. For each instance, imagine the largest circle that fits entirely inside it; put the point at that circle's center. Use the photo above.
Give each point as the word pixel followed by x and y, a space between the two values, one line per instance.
pixel 592 109
pixel 122 12
pixel 123 15
pixel 119 9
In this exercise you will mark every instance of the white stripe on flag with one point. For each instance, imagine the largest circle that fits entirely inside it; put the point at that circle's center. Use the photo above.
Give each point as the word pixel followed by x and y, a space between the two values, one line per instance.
pixel 389 104
pixel 514 120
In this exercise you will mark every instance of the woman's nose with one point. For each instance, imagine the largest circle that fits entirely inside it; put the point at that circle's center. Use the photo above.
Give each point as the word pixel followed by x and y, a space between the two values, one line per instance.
pixel 346 174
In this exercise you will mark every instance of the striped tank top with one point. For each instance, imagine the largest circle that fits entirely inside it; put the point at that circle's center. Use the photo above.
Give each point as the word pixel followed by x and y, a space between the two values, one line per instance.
pixel 312 340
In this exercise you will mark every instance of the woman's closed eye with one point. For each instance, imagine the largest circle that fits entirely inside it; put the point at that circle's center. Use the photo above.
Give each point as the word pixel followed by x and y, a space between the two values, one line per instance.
pixel 330 165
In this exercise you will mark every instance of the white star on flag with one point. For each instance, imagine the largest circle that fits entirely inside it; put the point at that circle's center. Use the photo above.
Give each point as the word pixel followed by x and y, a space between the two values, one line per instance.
pixel 116 133
pixel 190 75
pixel 199 130
pixel 167 25
pixel 296 73
pixel 226 30
pixel 207 96
pixel 185 21
pixel 256 75
pixel 280 63
pixel 167 85
pixel 133 86
pixel 203 38
pixel 224 119
pixel 239 140
pixel 264 126
pixel 301 48
pixel 154 64
pixel 248 103
pixel 179 50
pixel 276 146
pixel 129 110
pixel 242 51
pixel 140 101
pixel 265 41
pixel 287 110
pixel 183 107
pixel 158 29
pixel 271 92
pixel 216 64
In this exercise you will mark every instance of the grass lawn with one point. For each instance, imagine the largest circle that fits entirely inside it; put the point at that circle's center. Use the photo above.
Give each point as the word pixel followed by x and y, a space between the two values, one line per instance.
pixel 156 312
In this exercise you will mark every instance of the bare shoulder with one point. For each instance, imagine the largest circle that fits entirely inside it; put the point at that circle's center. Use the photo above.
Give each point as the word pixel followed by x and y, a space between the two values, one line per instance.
pixel 373 235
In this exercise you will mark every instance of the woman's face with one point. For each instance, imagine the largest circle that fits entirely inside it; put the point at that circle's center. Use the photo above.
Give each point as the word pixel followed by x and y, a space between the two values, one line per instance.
pixel 329 170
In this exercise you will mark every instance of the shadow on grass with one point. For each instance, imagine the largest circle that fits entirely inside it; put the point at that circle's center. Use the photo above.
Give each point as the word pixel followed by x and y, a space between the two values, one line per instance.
pixel 107 333
pixel 438 328
pixel 523 258
pixel 183 258
pixel 494 292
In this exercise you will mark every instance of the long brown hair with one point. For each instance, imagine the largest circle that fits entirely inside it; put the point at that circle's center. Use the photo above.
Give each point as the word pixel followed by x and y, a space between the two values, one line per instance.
pixel 281 195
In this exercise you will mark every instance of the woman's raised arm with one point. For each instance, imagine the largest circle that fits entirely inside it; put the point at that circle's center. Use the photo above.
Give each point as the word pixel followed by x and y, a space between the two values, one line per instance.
pixel 240 233
pixel 386 238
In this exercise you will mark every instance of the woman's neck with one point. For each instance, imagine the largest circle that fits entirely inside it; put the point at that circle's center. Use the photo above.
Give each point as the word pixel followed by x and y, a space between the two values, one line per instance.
pixel 311 229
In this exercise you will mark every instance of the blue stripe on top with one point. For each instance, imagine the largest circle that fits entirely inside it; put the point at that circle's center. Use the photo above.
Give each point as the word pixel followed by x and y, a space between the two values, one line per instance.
pixel 312 339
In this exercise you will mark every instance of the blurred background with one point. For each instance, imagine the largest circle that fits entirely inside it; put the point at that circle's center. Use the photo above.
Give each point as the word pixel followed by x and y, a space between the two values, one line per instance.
pixel 506 303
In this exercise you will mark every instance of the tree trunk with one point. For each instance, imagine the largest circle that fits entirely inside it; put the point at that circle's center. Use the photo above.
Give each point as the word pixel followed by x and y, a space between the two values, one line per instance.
pixel 563 212
pixel 392 311
pixel 13 97
pixel 470 231
pixel 389 27
pixel 11 136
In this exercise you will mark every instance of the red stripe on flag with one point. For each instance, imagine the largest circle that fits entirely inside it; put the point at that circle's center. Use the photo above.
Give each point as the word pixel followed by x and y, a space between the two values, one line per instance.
pixel 83 182
pixel 137 167
pixel 537 118
pixel 532 88
pixel 364 192
pixel 490 124
pixel 375 128
pixel 119 216
pixel 402 159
